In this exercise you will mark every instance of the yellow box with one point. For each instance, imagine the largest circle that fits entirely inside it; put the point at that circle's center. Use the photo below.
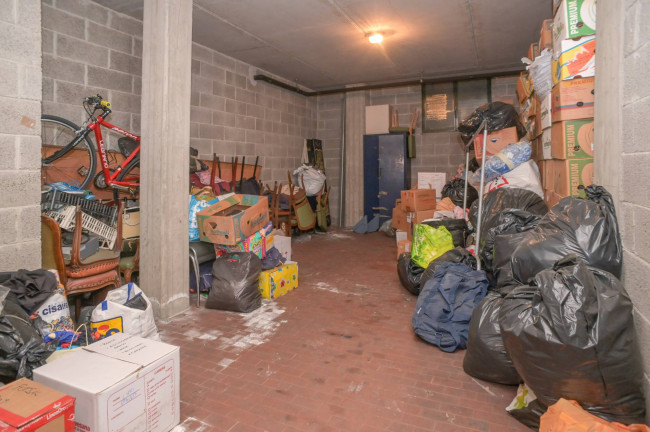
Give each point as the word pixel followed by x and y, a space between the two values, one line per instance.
pixel 279 281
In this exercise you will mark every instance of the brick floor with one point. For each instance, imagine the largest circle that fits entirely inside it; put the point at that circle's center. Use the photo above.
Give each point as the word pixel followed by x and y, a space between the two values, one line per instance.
pixel 336 354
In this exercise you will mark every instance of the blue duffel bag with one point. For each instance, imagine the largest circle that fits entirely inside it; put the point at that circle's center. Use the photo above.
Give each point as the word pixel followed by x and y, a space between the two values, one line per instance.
pixel 445 305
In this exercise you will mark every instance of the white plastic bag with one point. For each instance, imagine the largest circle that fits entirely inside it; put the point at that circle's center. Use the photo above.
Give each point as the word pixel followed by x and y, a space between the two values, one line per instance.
pixel 113 316
pixel 313 179
pixel 525 176
pixel 540 73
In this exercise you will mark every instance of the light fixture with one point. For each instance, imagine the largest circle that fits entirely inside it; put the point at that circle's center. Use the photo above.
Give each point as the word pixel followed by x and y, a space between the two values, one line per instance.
pixel 375 37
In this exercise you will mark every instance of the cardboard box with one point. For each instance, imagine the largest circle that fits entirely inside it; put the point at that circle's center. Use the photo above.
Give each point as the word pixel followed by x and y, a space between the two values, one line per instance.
pixel 524 87
pixel 531 128
pixel 399 236
pixel 546 143
pixel 533 50
pixel 281 242
pixel 30 407
pixel 399 219
pixel 417 217
pixel 544 112
pixel 233 219
pixel 574 59
pixel 541 164
pixel 548 177
pixel 432 180
pixel 551 198
pixel 546 35
pixel 573 100
pixel 573 139
pixel 277 282
pixel 123 382
pixel 256 243
pixel 378 119
pixel 403 246
pixel 574 18
pixel 496 141
pixel 415 200
pixel 571 173
pixel 556 6
pixel 131 223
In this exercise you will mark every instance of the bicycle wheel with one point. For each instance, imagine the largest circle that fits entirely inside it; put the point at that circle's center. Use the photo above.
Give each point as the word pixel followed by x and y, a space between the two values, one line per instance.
pixel 128 174
pixel 75 166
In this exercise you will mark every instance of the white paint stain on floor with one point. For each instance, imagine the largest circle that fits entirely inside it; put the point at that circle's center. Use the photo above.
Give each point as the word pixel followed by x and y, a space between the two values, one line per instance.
pixel 191 424
pixel 260 325
pixel 355 388
pixel 324 286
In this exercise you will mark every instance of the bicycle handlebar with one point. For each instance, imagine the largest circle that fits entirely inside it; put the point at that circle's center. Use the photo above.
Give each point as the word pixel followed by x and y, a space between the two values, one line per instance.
pixel 98 102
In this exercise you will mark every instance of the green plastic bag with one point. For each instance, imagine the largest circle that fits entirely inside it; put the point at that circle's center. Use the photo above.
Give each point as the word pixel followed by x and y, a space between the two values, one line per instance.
pixel 429 243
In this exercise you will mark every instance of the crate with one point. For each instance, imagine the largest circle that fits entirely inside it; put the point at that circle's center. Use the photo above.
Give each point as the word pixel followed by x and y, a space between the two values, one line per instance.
pixel 65 217
pixel 54 199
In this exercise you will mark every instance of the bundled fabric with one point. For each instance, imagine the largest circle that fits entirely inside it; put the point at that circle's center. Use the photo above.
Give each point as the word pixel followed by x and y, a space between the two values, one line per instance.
pixel 455 190
pixel 505 161
pixel 312 178
pixel 273 259
pixel 22 347
pixel 409 273
pixel 457 228
pixel 30 288
pixel 585 227
pixel 429 243
pixel 571 335
pixel 499 116
pixel 525 176
pixel 205 277
pixel 445 305
pixel 503 199
pixel 509 221
pixel 125 310
pixel 235 283
pixel 486 356
pixel 456 255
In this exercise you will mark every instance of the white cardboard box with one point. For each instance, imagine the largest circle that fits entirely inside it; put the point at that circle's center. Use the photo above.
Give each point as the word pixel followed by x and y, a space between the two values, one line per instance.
pixel 432 180
pixel 378 119
pixel 400 235
pixel 282 243
pixel 122 383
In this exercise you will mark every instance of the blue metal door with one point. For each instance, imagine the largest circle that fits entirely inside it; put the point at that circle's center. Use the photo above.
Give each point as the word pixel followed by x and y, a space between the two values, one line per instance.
pixel 370 174
pixel 393 173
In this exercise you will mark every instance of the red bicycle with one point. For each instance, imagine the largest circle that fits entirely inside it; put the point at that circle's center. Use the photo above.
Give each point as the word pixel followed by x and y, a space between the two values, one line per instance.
pixel 68 156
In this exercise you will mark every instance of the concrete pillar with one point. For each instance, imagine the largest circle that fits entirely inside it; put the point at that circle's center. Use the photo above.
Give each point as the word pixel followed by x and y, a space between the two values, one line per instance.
pixel 166 76
pixel 20 135
pixel 608 107
pixel 355 127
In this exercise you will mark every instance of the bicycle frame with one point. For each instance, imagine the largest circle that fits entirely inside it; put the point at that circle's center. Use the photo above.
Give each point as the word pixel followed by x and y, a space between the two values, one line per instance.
pixel 101 149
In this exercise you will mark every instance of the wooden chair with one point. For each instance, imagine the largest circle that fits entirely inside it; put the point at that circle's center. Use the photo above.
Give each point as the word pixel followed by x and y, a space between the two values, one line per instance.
pixel 302 216
pixel 130 258
pixel 281 218
pixel 95 274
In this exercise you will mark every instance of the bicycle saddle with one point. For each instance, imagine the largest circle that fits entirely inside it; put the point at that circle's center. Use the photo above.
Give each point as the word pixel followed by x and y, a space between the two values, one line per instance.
pixel 127 146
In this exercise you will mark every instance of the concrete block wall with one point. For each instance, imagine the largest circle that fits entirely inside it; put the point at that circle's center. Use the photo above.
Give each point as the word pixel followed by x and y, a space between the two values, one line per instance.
pixel 330 109
pixel 233 115
pixel 20 129
pixel 89 49
pixel 634 195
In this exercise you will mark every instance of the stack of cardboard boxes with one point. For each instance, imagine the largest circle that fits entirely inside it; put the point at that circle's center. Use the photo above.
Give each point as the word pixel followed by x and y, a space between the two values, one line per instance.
pixel 414 206
pixel 564 126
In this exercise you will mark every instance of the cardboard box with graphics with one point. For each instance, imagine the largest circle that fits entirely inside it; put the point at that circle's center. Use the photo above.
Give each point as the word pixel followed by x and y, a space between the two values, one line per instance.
pixel 574 18
pixel 546 35
pixel 233 219
pixel 573 139
pixel 546 143
pixel 573 100
pixel 496 141
pixel 574 58
pixel 570 174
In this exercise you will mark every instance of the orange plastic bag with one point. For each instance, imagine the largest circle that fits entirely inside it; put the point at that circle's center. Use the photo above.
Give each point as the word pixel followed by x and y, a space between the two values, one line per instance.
pixel 568 416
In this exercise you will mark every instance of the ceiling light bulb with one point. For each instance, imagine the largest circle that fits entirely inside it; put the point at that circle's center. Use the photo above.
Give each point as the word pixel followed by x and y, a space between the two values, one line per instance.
pixel 375 38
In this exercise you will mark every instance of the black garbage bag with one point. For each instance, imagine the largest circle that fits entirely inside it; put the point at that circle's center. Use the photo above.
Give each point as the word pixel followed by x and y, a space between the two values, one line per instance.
pixel 486 356
pixel 409 273
pixel 22 348
pixel 502 279
pixel 571 335
pixel 455 191
pixel 501 199
pixel 30 287
pixel 445 305
pixel 235 279
pixel 509 221
pixel 585 227
pixel 457 228
pixel 456 255
pixel 499 115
